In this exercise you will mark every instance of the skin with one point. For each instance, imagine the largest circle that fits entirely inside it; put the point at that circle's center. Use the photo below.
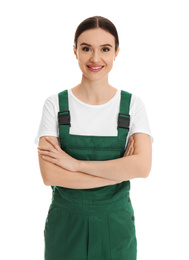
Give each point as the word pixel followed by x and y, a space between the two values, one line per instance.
pixel 59 168
pixel 94 88
pixel 57 156
pixel 54 175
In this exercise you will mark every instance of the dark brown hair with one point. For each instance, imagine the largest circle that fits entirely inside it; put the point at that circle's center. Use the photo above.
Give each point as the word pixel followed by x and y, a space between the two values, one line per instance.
pixel 97 22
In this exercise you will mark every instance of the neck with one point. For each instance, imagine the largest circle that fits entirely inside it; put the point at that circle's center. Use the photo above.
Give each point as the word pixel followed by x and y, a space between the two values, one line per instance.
pixel 95 92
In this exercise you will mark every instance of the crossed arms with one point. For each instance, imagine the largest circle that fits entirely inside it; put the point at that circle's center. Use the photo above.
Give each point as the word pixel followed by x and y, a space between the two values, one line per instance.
pixel 60 169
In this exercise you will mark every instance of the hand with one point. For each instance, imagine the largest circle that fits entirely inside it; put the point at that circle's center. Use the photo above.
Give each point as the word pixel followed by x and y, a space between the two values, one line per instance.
pixel 57 156
pixel 130 147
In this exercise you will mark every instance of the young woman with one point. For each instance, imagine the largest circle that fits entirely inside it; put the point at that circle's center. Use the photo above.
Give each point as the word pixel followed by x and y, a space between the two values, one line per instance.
pixel 93 139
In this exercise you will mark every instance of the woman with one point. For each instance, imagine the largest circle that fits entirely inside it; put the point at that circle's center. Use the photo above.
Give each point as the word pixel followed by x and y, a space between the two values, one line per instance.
pixel 82 137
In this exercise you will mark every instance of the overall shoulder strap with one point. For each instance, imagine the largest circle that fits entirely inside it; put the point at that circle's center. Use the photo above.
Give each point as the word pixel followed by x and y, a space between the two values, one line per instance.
pixel 63 100
pixel 123 116
pixel 64 113
pixel 125 102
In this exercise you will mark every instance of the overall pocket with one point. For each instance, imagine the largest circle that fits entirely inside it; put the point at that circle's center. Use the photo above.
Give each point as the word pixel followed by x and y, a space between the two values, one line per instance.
pixel 122 233
pixel 48 218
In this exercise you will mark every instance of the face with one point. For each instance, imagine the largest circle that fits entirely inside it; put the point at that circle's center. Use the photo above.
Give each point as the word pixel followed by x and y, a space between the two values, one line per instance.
pixel 95 53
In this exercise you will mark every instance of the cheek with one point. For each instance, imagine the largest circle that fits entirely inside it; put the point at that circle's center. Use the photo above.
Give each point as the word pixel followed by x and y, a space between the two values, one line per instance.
pixel 83 57
pixel 82 63
pixel 109 59
pixel 110 62
pixel 81 66
pixel 82 60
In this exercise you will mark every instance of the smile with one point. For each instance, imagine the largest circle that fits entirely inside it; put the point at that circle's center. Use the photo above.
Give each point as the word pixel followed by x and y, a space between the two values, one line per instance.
pixel 95 68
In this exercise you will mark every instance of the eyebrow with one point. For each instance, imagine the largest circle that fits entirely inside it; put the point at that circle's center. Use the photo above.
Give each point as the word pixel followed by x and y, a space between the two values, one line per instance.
pixel 103 45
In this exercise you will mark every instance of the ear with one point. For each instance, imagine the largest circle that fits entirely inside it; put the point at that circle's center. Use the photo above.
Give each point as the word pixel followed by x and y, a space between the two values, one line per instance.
pixel 116 53
pixel 75 51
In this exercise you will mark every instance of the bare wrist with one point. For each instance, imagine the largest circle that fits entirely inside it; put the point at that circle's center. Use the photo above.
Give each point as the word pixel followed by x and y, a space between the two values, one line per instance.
pixel 78 166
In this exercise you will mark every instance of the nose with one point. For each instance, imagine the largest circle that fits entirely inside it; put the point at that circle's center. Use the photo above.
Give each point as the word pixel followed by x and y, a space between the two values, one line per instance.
pixel 95 56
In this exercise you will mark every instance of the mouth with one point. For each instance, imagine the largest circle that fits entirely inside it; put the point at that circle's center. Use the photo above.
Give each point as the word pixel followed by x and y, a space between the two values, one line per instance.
pixel 95 68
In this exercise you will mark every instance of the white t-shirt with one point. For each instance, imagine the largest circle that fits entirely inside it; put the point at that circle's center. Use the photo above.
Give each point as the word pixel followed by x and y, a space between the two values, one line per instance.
pixel 99 120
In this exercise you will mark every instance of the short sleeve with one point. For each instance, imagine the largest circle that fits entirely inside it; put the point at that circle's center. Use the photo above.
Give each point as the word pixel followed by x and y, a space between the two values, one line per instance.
pixel 49 123
pixel 138 118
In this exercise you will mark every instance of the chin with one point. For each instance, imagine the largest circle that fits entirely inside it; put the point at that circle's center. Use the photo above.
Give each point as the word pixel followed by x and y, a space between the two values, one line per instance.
pixel 94 77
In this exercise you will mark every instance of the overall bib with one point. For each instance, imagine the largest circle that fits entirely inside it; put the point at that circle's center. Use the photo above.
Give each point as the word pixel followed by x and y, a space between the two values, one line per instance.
pixel 97 223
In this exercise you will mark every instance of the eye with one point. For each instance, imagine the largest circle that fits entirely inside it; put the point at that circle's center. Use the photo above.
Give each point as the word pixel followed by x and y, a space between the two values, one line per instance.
pixel 105 49
pixel 86 49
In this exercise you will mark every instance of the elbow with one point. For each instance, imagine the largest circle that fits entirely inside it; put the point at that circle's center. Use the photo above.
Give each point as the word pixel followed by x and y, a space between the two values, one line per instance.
pixel 145 171
pixel 47 183
pixel 145 166
pixel 46 178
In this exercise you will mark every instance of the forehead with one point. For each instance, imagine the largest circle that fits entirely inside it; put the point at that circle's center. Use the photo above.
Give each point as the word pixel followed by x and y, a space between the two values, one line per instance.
pixel 96 37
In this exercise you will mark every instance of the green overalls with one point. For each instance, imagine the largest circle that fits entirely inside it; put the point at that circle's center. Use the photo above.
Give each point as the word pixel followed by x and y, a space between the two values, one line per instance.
pixel 97 223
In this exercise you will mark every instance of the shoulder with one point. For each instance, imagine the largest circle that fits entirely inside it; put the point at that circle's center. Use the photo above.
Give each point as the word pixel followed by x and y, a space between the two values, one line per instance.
pixel 139 117
pixel 51 102
pixel 136 104
pixel 137 107
pixel 52 99
pixel 135 100
pixel 48 123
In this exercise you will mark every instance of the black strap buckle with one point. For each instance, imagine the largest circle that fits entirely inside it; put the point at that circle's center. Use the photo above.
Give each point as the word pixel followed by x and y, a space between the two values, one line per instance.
pixel 123 122
pixel 64 119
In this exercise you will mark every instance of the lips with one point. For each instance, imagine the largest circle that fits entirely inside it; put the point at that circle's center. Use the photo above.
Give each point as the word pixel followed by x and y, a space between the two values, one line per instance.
pixel 95 68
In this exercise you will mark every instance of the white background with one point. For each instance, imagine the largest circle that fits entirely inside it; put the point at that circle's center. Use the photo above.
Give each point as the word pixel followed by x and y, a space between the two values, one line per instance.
pixel 36 60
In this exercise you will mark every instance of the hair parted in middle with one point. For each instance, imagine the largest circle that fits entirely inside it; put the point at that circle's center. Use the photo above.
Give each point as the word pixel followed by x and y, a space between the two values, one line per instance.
pixel 97 22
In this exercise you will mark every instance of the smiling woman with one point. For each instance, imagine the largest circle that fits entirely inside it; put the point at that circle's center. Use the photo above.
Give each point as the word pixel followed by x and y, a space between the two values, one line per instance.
pixel 96 52
pixel 98 140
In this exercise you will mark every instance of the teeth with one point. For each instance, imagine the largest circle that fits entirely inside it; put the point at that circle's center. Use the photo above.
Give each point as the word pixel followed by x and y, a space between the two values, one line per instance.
pixel 95 68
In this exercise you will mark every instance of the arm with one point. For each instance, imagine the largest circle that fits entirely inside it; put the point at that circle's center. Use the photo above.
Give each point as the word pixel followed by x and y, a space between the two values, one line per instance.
pixel 137 165
pixel 54 175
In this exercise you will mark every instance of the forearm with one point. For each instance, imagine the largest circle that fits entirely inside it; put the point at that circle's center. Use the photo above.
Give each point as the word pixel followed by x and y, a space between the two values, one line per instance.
pixel 137 165
pixel 79 180
pixel 121 169
pixel 57 176
pixel 54 175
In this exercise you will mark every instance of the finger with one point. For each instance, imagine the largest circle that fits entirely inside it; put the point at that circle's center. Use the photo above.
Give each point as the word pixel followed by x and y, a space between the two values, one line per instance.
pixel 46 148
pixel 52 155
pixel 132 151
pixel 127 151
pixel 132 140
pixel 49 159
pixel 129 146
pixel 129 142
pixel 125 154
pixel 54 144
